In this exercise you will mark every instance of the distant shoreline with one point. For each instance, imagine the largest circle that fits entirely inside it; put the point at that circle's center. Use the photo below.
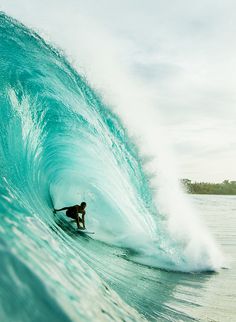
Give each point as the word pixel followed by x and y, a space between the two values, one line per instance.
pixel 205 188
pixel 211 194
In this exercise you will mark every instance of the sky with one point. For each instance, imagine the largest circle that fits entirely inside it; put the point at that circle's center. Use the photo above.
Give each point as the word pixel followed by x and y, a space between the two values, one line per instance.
pixel 183 53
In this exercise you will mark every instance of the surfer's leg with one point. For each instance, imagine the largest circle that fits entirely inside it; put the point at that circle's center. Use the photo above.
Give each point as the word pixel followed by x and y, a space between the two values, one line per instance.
pixel 70 215
pixel 77 221
pixel 81 223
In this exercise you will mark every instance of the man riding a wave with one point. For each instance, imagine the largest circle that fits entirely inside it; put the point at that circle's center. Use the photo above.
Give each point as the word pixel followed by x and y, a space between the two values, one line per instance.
pixel 74 211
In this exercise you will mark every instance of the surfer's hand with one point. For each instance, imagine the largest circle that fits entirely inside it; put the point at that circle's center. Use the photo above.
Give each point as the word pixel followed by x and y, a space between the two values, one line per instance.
pixel 54 210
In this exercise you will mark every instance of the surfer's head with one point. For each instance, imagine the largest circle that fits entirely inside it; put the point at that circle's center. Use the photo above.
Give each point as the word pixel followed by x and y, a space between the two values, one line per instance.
pixel 83 204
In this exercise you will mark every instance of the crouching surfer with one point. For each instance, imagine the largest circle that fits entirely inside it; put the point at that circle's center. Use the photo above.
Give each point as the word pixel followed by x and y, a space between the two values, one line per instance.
pixel 74 211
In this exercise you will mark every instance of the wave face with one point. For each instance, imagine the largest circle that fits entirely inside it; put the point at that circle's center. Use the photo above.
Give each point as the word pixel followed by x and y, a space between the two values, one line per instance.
pixel 61 145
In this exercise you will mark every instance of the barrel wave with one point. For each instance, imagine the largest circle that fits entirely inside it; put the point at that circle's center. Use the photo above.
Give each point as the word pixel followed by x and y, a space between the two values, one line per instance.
pixel 60 145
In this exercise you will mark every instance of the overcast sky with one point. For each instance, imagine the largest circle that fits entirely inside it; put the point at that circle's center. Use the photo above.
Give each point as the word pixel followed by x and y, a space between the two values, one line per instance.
pixel 184 52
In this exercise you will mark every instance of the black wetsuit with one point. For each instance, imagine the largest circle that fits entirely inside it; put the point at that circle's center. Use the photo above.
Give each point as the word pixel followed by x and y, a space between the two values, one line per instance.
pixel 73 213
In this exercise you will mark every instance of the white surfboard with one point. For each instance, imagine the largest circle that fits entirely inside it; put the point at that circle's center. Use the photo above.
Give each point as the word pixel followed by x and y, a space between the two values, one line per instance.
pixel 85 231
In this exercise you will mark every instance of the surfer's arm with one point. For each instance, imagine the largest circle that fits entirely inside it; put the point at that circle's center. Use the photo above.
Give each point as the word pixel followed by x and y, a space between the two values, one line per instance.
pixel 65 208
pixel 83 215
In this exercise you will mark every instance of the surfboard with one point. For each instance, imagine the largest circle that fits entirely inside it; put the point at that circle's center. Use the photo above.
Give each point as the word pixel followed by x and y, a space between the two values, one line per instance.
pixel 85 231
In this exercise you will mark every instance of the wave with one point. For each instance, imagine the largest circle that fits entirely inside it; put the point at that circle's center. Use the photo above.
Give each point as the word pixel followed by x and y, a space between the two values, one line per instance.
pixel 60 145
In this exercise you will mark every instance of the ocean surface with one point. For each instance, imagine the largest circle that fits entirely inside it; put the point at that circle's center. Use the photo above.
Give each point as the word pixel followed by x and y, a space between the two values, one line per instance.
pixel 60 144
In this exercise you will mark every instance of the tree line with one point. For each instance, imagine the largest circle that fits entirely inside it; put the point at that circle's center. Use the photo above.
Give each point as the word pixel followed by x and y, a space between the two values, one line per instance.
pixel 224 188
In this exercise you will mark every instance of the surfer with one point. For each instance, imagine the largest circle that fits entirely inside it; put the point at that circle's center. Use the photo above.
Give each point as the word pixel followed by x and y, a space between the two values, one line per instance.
pixel 74 211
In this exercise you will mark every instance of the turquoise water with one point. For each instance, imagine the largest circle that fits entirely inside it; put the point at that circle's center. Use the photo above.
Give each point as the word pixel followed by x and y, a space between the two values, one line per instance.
pixel 60 144
pixel 216 299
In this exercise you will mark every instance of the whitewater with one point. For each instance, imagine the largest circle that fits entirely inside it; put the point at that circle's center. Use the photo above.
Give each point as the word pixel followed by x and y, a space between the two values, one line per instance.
pixel 63 141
